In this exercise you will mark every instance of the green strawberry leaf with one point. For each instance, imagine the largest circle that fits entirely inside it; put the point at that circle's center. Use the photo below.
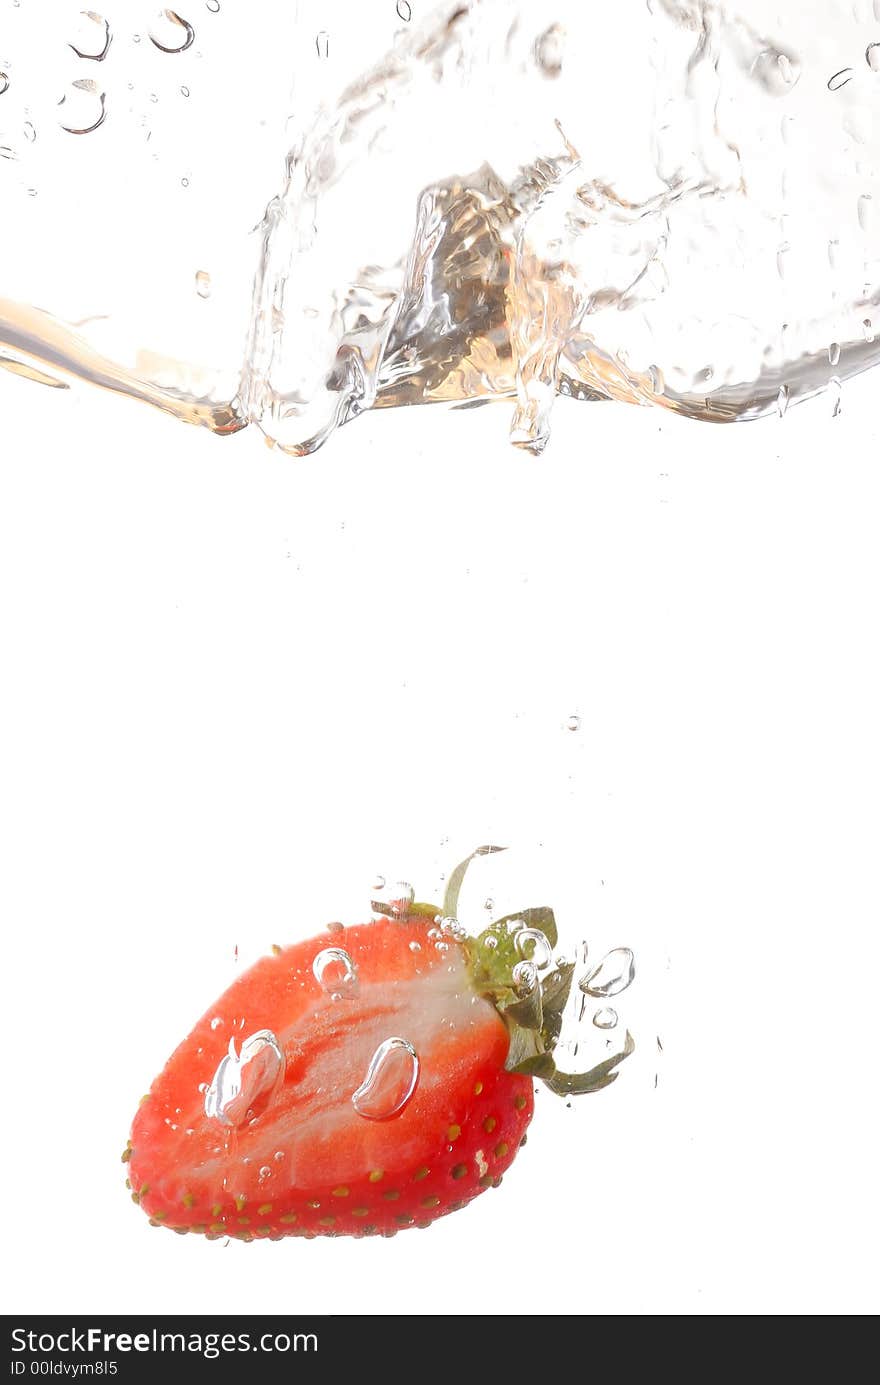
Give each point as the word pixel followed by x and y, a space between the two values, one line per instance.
pixel 602 1075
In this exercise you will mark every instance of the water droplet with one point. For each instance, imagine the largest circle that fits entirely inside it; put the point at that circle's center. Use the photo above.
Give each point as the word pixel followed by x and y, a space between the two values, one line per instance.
pixel 213 6
pixel 216 1022
pixel 322 44
pixel 573 723
pixel 184 182
pixel 777 72
pixel 333 969
pixel 840 79
pixel 404 10
pixel 872 56
pixel 391 1079
pixel 203 283
pixel 491 942
pixel 834 353
pixel 613 974
pixel 265 1171
pixel 184 91
pixel 489 904
pixel 29 132
pixel 378 883
pixel 243 1082
pixel 92 38
pixel 605 1019
pixel 170 33
pixel 4 83
pixel 782 400
pixel 549 49
pixel 414 946
pixel 868 329
pixel 534 946
pixel 84 109
pixel 866 211
pixel 525 978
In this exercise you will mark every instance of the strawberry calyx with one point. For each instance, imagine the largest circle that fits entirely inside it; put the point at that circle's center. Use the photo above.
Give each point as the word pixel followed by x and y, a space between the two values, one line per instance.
pixel 530 996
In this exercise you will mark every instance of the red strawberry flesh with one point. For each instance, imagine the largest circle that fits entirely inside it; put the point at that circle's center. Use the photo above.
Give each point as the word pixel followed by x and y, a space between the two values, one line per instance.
pixel 305 1161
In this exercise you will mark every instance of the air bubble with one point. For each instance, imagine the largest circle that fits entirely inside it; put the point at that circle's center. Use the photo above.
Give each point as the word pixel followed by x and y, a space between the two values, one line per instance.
pixel 184 91
pixel 404 10
pixel 549 50
pixel 243 1082
pixel 29 132
pixel 573 723
pixel 203 283
pixel 333 968
pixel 534 946
pixel 170 33
pixel 391 1079
pixel 605 1018
pixel 4 83
pixel 451 928
pixel 613 974
pixel 525 978
pixel 265 1171
pixel 872 56
pixel 322 44
pixel 92 38
pixel 84 108
pixel 777 72
pixel 213 6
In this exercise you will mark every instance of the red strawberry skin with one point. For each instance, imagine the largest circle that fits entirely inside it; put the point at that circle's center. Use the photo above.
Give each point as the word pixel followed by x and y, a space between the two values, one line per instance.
pixel 304 1161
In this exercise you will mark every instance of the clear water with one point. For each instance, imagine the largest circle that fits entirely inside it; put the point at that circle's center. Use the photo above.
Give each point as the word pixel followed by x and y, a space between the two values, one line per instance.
pixel 683 214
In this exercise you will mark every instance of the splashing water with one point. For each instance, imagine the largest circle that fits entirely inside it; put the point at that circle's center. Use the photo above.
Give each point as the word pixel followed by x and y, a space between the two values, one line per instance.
pixel 535 245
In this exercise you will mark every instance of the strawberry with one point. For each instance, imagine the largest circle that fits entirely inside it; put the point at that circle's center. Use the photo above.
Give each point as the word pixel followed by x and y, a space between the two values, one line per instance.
pixel 357 1088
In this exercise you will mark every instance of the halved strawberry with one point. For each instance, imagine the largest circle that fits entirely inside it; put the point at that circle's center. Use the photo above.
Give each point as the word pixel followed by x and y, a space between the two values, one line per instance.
pixel 356 1084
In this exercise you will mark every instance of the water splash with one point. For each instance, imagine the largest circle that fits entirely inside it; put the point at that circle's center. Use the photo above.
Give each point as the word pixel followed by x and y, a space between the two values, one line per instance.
pixel 391 1079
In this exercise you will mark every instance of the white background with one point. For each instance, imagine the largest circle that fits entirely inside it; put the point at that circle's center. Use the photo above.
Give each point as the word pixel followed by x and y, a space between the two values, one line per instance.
pixel 234 686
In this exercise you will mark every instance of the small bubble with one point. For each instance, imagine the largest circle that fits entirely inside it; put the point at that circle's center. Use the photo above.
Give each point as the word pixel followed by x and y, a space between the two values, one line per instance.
pixel 605 1019
pixel 451 928
pixel 872 56
pixel 525 978
pixel 378 882
pixel 391 1079
pixel 184 91
pixel 613 974
pixel 29 132
pixel 216 1022
pixel 93 38
pixel 203 283
pixel 213 6
pixel 322 44
pixel 834 353
pixel 414 946
pixel 840 79
pixel 573 723
pixel 184 182
pixel 404 10
pixel 170 33
pixel 278 1155
pixel 489 904
pixel 265 1171
pixel 332 968
pixel 491 942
